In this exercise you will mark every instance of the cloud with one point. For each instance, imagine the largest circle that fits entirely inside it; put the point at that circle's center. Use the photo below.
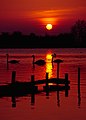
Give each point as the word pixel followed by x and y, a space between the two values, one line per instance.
pixel 57 13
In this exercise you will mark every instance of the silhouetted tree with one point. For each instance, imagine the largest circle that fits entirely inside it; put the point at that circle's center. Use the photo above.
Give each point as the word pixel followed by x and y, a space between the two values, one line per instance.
pixel 79 31
pixel 17 34
pixel 5 35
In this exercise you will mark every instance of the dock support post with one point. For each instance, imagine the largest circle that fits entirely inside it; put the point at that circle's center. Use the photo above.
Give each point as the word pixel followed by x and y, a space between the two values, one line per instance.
pixel 66 84
pixel 58 70
pixel 79 98
pixel 66 79
pixel 32 80
pixel 13 76
pixel 7 61
pixel 46 79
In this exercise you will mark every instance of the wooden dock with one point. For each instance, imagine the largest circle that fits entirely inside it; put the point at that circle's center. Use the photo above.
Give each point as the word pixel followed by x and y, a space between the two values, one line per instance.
pixel 16 88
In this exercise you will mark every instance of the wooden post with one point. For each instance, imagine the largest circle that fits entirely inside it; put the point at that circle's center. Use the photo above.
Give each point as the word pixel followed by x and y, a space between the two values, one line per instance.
pixel 46 79
pixel 58 70
pixel 66 84
pixel 79 98
pixel 32 80
pixel 13 76
pixel 66 78
pixel 7 61
pixel 33 87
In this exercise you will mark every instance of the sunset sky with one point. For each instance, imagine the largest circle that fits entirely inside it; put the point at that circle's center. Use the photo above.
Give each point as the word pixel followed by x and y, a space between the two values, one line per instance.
pixel 33 15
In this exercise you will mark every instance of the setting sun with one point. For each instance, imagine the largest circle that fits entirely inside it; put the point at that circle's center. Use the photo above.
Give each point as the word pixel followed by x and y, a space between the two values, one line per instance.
pixel 49 26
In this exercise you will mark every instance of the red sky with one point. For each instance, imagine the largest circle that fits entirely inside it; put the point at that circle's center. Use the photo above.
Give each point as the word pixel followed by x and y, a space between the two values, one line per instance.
pixel 32 15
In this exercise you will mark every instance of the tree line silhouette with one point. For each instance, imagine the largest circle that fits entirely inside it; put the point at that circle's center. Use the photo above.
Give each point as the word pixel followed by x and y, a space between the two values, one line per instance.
pixel 74 39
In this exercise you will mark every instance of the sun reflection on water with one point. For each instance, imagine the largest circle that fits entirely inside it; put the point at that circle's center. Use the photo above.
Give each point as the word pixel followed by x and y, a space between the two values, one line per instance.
pixel 49 65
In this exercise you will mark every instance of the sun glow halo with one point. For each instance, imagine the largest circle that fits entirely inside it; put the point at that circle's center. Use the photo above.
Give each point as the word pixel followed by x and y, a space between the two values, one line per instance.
pixel 49 26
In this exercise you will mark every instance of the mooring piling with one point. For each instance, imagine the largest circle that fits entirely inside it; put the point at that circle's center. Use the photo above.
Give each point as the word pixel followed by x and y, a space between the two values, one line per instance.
pixel 57 73
pixel 7 61
pixel 32 79
pixel 79 98
pixel 66 79
pixel 13 76
pixel 46 79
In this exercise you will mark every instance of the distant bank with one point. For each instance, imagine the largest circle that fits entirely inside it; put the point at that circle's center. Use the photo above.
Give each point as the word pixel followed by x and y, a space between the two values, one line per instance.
pixel 17 40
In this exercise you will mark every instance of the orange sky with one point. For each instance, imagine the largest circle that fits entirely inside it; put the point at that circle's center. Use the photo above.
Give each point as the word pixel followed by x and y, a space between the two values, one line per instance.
pixel 33 15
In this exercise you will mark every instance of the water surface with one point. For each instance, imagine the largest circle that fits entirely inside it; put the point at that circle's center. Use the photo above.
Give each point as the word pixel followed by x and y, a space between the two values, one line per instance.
pixel 56 105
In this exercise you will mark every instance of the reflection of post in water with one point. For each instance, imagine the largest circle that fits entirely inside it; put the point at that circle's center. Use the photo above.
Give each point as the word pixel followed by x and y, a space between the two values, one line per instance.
pixel 47 87
pixel 79 96
pixel 13 81
pixel 58 98
pixel 66 84
pixel 13 101
pixel 32 94
pixel 32 99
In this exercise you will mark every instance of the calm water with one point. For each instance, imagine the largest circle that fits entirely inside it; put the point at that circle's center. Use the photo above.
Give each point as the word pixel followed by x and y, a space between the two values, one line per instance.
pixel 55 106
